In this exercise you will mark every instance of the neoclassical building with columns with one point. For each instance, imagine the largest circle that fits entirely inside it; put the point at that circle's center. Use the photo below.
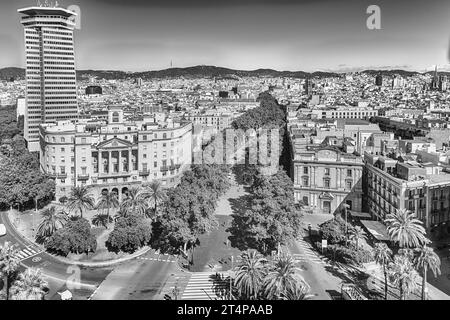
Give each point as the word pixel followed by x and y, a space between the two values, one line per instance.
pixel 116 154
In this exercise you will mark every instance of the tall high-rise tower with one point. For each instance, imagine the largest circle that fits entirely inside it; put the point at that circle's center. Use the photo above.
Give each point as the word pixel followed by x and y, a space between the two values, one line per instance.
pixel 50 69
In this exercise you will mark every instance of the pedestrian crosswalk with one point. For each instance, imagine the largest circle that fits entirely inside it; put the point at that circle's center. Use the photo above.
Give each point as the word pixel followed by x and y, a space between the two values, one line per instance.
pixel 206 286
pixel 161 258
pixel 28 252
pixel 308 253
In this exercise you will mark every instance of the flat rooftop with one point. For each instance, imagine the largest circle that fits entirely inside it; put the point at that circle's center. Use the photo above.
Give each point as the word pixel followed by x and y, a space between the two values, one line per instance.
pixel 34 11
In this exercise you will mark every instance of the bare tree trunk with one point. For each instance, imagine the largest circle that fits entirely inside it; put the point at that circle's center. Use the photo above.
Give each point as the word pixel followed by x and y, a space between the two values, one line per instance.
pixel 385 282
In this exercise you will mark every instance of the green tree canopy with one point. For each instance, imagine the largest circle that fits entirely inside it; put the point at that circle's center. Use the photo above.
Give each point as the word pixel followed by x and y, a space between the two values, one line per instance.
pixel 75 237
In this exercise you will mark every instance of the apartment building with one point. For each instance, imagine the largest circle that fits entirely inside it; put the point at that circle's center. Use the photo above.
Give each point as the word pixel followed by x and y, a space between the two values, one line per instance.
pixel 344 113
pixel 422 188
pixel 218 121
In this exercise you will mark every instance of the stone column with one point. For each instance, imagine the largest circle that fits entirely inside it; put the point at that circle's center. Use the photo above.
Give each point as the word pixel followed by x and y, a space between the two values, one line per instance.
pixel 130 158
pixel 110 169
pixel 119 159
pixel 99 161
pixel 337 178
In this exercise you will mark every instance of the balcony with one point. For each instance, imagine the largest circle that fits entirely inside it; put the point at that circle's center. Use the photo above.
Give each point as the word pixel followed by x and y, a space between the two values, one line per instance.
pixel 172 167
pixel 104 175
pixel 164 168
pixel 144 172
pixel 83 177
pixel 62 175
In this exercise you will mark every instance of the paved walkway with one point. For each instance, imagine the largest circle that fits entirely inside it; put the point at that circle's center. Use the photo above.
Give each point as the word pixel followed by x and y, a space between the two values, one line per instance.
pixel 308 254
pixel 324 285
pixel 224 205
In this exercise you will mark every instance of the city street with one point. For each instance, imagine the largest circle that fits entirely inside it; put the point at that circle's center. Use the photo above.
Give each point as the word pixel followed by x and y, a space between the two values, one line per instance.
pixel 148 277
pixel 80 281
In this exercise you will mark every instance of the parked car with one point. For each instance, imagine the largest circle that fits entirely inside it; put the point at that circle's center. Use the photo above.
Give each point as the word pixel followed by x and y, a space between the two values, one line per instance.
pixel 2 230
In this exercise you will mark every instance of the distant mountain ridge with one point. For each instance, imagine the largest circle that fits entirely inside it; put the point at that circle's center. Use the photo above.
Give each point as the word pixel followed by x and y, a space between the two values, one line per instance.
pixel 205 71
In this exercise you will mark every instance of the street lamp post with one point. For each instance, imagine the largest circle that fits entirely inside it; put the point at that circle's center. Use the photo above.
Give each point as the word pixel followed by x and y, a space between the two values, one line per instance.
pixel 346 225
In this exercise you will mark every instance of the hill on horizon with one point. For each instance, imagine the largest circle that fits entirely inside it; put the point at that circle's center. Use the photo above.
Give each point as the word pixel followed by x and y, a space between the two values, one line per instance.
pixel 205 71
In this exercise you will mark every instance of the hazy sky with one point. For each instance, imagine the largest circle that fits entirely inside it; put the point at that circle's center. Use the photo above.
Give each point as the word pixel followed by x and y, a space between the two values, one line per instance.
pixel 309 35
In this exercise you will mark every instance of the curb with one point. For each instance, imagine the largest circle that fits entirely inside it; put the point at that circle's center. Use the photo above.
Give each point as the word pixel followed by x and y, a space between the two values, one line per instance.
pixel 101 264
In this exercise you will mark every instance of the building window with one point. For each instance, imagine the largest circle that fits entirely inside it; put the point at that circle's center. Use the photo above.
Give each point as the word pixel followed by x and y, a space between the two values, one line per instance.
pixel 327 171
pixel 305 201
pixel 349 172
pixel 349 185
pixel 326 183
pixel 115 117
pixel 144 137
pixel 305 170
pixel 305 181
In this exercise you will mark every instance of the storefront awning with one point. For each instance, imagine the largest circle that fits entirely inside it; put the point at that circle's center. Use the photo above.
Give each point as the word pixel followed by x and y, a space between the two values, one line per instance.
pixel 376 229
pixel 360 215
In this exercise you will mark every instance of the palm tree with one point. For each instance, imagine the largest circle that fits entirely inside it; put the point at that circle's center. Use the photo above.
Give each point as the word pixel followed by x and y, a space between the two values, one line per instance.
pixel 404 228
pixel 9 263
pixel 108 201
pixel 283 278
pixel 155 194
pixel 52 221
pixel 134 203
pixel 250 274
pixel 403 275
pixel 30 285
pixel 383 256
pixel 298 293
pixel 357 234
pixel 80 199
pixel 101 220
pixel 427 260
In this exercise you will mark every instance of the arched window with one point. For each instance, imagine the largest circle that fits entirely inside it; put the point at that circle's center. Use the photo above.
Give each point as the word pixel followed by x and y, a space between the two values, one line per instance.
pixel 115 117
